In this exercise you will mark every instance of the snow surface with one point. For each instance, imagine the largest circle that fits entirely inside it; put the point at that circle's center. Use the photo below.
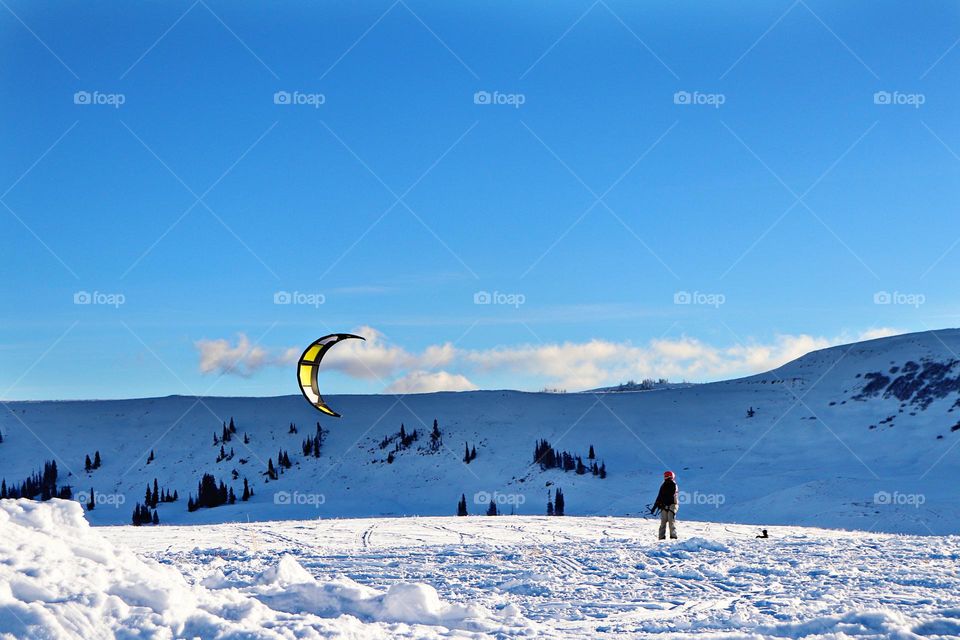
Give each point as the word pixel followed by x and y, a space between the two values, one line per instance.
pixel 808 457
pixel 476 577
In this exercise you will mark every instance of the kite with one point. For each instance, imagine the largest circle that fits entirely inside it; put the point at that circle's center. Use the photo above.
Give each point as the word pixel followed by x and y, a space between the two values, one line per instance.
pixel 308 365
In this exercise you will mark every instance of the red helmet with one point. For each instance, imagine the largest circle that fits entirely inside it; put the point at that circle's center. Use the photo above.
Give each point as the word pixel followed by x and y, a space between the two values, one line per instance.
pixel 669 474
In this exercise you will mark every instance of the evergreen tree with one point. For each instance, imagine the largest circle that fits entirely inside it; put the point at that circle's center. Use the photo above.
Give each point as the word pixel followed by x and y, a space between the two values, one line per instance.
pixel 560 503
pixel 580 468
pixel 466 453
pixel 92 502
pixel 246 438
pixel 492 509
pixel 156 518
pixel 150 457
pixel 603 470
pixel 473 453
pixel 96 460
pixel 462 505
pixel 436 438
pixel 156 494
pixel 232 427
pixel 175 495
pixel 549 507
pixel 246 491
pixel 216 440
pixel 87 465
pixel 591 455
pixel 231 498
pixel 271 471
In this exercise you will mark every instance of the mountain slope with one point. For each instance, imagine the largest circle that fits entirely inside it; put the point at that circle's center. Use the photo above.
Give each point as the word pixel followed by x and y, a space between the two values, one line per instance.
pixel 857 436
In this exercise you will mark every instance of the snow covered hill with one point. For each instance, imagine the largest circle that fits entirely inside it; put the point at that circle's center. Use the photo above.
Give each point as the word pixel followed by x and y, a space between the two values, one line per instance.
pixel 859 436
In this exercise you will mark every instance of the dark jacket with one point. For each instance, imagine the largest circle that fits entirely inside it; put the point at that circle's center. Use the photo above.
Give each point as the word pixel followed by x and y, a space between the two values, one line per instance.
pixel 669 495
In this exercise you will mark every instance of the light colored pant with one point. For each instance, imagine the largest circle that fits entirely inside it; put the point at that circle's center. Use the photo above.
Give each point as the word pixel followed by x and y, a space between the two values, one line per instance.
pixel 668 517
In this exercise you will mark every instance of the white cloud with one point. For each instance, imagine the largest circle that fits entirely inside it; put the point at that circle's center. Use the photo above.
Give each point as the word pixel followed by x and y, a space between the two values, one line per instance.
pixel 425 382
pixel 242 359
pixel 569 365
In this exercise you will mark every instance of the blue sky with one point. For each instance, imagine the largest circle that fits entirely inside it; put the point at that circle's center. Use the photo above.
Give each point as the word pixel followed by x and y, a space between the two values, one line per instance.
pixel 737 151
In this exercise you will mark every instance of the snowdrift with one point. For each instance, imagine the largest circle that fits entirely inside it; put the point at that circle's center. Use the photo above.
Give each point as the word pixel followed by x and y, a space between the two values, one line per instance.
pixel 60 578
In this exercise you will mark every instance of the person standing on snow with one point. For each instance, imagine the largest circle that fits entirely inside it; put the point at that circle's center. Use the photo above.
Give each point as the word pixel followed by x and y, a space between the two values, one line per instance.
pixel 668 501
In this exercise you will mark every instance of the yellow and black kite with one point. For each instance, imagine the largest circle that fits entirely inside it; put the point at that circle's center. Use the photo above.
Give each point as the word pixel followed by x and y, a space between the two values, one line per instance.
pixel 308 365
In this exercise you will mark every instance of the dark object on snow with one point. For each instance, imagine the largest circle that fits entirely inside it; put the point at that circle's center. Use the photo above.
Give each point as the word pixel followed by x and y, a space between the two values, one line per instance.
pixel 763 534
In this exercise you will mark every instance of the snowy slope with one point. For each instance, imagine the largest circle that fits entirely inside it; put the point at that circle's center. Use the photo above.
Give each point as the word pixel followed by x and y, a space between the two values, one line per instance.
pixel 473 577
pixel 808 457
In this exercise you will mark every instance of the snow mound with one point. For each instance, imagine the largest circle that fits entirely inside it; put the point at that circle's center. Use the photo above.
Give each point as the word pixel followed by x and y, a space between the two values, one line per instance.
pixel 288 587
pixel 286 571
pixel 60 578
pixel 701 544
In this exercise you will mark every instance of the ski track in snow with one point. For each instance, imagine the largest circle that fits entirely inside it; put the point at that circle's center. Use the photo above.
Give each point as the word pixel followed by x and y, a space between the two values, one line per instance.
pixel 605 577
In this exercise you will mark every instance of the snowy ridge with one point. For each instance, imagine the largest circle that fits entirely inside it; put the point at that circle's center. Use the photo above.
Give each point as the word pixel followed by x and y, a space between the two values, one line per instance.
pixel 859 436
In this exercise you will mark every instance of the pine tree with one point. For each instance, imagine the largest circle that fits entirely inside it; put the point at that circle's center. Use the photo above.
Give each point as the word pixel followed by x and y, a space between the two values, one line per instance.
pixel 246 491
pixel 246 438
pixel 462 506
pixel 150 457
pixel 436 438
pixel 549 507
pixel 231 498
pixel 156 493
pixel 175 495
pixel 560 503
pixel 232 427
pixel 271 471
pixel 92 502
pixel 492 509
pixel 591 455
pixel 191 505
pixel 603 470
pixel 580 468
pixel 473 453
pixel 96 460
pixel 156 518
pixel 466 453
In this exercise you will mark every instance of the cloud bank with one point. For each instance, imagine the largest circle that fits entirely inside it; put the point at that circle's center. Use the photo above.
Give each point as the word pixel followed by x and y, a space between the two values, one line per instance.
pixel 568 365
